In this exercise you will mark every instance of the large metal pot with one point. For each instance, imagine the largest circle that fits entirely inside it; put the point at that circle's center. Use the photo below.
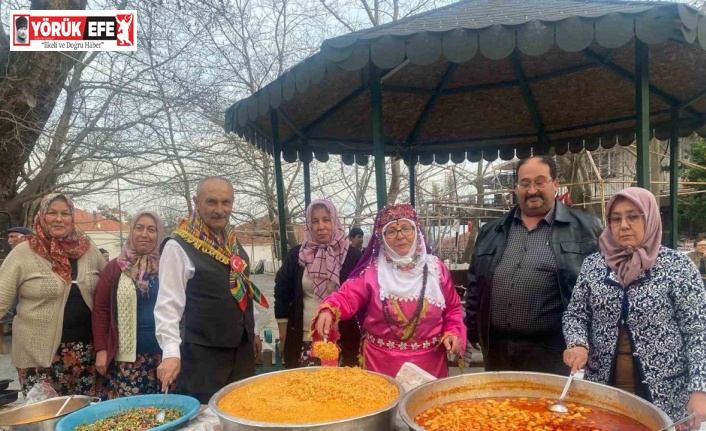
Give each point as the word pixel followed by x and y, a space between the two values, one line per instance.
pixel 525 384
pixel 380 420
pixel 51 406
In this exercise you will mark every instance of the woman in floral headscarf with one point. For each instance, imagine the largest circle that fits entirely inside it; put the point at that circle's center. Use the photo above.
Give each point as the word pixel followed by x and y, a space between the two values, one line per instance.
pixel 404 299
pixel 127 352
pixel 54 273
pixel 309 273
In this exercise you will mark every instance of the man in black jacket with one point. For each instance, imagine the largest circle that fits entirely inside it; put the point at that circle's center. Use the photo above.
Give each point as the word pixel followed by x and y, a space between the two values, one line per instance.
pixel 523 271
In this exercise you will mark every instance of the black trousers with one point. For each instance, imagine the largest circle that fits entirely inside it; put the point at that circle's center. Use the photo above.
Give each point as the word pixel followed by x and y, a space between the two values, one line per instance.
pixel 512 352
pixel 205 370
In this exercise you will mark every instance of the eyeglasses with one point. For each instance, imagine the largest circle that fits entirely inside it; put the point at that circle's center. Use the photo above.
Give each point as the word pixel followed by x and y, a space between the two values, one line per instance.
pixel 538 182
pixel 392 233
pixel 616 221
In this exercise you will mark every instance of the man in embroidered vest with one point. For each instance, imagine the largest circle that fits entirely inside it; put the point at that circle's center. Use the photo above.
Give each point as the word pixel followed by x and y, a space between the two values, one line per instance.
pixel 204 285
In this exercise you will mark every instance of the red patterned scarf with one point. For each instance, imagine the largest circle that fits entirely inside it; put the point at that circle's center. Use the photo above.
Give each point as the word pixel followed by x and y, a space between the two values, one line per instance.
pixel 57 251
pixel 193 230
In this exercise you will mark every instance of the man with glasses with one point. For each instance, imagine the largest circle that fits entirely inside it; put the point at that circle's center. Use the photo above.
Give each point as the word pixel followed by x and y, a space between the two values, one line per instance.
pixel 523 271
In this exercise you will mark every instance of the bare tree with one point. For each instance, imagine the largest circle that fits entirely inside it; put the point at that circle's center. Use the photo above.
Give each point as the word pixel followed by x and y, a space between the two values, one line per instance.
pixel 31 84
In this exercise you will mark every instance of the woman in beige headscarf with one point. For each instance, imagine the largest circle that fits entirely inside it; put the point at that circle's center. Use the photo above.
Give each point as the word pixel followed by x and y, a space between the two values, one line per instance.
pixel 127 352
pixel 637 316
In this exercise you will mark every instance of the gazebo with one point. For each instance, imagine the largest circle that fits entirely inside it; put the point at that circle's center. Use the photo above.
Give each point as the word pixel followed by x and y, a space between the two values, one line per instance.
pixel 488 79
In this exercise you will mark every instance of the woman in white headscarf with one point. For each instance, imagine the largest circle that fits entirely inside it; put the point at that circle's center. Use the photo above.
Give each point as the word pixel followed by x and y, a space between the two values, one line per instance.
pixel 404 299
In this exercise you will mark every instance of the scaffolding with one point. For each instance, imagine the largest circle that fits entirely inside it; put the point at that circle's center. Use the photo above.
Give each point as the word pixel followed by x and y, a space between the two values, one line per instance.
pixel 604 172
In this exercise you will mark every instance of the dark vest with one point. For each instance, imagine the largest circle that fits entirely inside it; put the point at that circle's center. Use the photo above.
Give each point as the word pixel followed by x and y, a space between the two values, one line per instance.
pixel 212 316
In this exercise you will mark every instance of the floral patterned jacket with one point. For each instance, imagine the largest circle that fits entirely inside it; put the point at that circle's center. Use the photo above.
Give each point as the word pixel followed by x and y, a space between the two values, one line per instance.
pixel 664 312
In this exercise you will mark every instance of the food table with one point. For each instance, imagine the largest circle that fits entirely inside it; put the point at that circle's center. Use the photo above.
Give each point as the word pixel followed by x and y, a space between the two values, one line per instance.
pixel 208 421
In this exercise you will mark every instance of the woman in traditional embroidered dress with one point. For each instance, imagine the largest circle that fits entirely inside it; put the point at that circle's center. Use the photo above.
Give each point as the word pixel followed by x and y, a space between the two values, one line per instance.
pixel 637 316
pixel 54 273
pixel 404 299
pixel 310 273
pixel 127 352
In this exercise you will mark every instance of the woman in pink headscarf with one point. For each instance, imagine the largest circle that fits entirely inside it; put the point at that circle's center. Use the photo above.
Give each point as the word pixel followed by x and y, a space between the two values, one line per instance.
pixel 637 316
pixel 404 299
pixel 127 352
pixel 311 272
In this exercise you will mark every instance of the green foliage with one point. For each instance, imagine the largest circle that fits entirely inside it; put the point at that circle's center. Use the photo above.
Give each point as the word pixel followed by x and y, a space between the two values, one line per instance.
pixel 695 205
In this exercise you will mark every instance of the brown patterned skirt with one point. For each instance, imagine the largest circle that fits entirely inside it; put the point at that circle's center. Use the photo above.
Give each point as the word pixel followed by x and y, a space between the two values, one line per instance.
pixel 135 378
pixel 72 372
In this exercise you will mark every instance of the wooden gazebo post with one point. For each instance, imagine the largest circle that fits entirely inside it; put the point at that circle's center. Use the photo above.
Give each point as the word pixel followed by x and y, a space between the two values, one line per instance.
pixel 674 180
pixel 279 182
pixel 642 112
pixel 378 136
pixel 412 178
pixel 307 178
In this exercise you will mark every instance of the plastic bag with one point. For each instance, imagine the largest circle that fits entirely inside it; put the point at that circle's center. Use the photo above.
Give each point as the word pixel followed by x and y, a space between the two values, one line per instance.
pixel 410 376
pixel 206 420
pixel 40 392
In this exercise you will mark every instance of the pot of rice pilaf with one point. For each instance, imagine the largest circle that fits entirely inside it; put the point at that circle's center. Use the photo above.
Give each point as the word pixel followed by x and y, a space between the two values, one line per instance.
pixel 309 399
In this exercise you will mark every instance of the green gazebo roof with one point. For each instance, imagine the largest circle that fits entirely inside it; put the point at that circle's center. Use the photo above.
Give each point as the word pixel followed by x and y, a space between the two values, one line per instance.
pixel 488 79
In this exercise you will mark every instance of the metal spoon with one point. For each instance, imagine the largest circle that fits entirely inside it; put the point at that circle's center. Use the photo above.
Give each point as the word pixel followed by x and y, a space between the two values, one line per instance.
pixel 162 413
pixel 558 406
pixel 63 406
pixel 679 422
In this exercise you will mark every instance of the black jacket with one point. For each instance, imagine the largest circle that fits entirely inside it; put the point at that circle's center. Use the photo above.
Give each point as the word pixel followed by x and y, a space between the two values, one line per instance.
pixel 289 304
pixel 574 236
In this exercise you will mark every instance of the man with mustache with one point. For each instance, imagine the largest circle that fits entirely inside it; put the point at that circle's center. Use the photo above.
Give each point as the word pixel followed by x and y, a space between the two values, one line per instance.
pixel 204 279
pixel 15 236
pixel 523 270
pixel 21 24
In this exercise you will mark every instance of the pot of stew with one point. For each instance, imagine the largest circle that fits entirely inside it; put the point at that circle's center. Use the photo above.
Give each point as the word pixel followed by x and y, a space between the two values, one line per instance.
pixel 520 400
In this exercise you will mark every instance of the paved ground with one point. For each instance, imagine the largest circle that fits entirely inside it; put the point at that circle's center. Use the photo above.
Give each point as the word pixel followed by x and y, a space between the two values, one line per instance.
pixel 7 371
pixel 266 320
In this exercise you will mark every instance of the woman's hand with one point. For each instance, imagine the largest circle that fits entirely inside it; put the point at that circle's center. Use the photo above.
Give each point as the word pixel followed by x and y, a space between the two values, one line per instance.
pixel 576 358
pixel 697 403
pixel 282 326
pixel 323 323
pixel 452 344
pixel 257 346
pixel 102 362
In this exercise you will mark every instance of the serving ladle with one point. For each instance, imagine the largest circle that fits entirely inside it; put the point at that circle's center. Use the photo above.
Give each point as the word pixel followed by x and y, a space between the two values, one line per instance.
pixel 679 422
pixel 63 406
pixel 162 413
pixel 558 406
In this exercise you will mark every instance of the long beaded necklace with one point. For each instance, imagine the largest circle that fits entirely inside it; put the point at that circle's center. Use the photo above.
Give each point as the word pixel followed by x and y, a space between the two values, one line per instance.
pixel 410 326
